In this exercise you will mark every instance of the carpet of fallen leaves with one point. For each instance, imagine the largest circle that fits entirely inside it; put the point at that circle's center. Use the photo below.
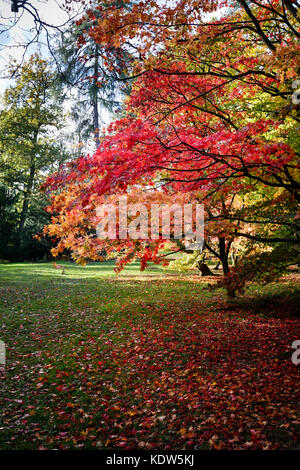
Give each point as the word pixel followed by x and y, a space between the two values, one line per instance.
pixel 149 371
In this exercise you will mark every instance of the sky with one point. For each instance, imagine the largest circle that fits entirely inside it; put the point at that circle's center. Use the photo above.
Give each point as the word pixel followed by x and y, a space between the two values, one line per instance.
pixel 22 31
pixel 18 28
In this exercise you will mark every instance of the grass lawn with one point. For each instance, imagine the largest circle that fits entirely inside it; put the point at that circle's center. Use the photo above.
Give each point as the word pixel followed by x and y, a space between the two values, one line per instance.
pixel 144 361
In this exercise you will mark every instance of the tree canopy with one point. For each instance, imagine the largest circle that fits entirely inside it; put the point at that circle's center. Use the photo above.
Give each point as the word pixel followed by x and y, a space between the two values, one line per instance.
pixel 211 114
pixel 28 151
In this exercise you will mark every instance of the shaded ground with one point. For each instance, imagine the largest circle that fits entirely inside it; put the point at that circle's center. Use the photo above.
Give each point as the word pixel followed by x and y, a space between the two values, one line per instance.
pixel 151 361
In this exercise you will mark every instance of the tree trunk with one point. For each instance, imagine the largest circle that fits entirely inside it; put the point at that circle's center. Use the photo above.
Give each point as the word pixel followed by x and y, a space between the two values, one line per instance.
pixel 222 255
pixel 225 267
pixel 95 98
pixel 204 269
pixel 25 205
pixel 28 191
pixel 231 293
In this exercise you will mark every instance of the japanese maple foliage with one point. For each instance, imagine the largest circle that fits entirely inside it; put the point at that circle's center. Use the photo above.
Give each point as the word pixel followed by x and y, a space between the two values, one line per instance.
pixel 208 113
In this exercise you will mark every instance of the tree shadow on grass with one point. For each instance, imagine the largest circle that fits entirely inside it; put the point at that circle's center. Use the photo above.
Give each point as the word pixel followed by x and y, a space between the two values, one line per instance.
pixel 284 304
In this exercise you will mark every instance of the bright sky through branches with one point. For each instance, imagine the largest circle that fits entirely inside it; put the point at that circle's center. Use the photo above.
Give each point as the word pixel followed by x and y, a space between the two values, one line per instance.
pixel 18 30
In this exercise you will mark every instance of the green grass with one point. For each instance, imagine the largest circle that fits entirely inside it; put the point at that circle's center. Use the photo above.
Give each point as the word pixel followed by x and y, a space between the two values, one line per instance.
pixel 88 348
pixel 24 272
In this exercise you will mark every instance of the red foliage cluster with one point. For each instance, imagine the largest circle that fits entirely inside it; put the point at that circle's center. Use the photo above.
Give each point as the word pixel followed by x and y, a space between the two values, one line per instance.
pixel 207 113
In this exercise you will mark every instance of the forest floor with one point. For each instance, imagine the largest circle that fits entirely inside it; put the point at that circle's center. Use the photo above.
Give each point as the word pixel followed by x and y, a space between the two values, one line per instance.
pixel 153 360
